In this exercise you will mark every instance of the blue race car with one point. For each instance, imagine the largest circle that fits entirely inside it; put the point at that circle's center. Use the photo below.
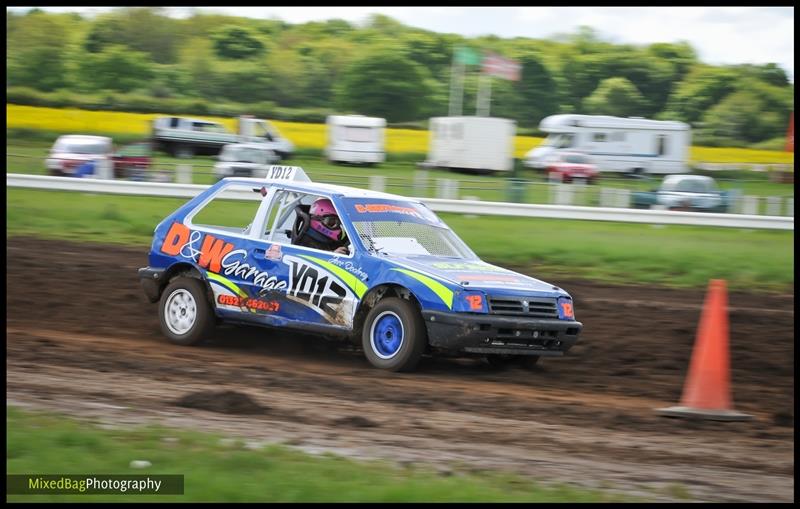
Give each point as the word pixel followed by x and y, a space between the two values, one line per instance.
pixel 401 282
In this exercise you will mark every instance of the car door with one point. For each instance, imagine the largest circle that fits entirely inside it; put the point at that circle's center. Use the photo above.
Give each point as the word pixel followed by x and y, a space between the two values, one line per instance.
pixel 320 290
pixel 222 238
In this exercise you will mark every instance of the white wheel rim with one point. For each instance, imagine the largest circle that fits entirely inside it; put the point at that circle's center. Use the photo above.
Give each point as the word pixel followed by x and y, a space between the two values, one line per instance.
pixel 180 312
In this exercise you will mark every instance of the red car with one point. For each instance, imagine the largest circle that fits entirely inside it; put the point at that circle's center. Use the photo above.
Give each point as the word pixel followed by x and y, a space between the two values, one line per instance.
pixel 132 161
pixel 571 166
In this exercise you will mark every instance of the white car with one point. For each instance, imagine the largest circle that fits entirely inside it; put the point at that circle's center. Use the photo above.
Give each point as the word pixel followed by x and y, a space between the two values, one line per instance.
pixel 245 160
pixel 71 152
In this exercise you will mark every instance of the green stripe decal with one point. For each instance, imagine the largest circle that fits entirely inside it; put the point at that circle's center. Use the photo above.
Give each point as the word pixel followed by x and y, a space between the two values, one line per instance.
pixel 227 283
pixel 355 284
pixel 438 288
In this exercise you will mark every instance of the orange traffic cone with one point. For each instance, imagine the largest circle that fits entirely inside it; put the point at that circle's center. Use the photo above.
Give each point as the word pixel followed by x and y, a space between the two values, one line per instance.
pixel 706 393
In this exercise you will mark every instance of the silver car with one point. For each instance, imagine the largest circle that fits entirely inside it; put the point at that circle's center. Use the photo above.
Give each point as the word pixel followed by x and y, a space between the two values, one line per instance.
pixel 244 160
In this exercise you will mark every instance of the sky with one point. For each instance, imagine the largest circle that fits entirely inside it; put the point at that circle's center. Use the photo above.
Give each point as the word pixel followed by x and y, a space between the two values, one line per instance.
pixel 720 35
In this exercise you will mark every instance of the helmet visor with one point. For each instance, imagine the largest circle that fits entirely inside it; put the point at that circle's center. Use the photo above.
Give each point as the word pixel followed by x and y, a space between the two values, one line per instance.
pixel 330 221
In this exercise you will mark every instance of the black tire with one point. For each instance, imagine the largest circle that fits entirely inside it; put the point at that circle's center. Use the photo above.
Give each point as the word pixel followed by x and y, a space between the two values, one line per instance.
pixel 386 316
pixel 186 332
pixel 184 151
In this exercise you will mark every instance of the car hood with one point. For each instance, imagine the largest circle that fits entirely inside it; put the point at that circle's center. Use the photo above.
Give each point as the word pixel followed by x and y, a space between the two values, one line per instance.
pixel 539 152
pixel 478 275
pixel 574 167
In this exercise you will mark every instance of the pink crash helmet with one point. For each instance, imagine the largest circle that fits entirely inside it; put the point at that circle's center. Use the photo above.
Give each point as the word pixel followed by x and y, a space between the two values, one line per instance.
pixel 325 220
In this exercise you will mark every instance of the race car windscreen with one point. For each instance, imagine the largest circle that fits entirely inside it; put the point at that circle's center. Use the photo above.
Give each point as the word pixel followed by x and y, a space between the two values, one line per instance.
pixel 401 228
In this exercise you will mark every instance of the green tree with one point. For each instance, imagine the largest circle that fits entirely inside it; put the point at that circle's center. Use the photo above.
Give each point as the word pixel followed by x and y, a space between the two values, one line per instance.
pixel 385 24
pixel 291 77
pixel 429 50
pixel 702 88
pixel 236 42
pixel 537 92
pixel 615 96
pixel 245 82
pixel 736 119
pixel 104 32
pixel 146 29
pixel 768 73
pixel 38 51
pixel 115 68
pixel 385 83
pixel 39 67
pixel 681 57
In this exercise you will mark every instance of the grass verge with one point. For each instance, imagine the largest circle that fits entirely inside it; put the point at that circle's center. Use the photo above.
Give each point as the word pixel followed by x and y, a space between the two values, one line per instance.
pixel 216 470
pixel 675 256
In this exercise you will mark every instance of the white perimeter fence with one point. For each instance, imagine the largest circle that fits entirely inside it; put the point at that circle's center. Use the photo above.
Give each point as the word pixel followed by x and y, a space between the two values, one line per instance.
pixel 474 207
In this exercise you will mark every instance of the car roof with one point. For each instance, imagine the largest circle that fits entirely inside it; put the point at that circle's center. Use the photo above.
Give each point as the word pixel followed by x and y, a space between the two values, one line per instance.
pixel 85 138
pixel 330 189
pixel 671 178
pixel 261 146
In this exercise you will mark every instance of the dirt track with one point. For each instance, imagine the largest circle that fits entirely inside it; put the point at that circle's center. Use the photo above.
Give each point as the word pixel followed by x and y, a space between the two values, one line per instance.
pixel 82 339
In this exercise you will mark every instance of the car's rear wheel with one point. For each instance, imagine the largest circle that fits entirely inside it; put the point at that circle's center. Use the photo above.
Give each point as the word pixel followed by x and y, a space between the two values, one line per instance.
pixel 184 312
pixel 394 335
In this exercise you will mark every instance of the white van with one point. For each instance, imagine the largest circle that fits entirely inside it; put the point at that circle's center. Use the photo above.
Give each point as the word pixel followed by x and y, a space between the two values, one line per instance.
pixel 473 143
pixel 630 145
pixel 355 139
pixel 185 137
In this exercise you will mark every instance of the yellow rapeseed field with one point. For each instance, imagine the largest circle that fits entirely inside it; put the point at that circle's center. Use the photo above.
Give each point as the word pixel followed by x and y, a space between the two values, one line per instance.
pixel 306 135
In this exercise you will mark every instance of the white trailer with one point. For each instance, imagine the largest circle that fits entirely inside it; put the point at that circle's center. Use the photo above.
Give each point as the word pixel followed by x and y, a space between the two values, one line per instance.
pixel 473 143
pixel 355 139
pixel 631 145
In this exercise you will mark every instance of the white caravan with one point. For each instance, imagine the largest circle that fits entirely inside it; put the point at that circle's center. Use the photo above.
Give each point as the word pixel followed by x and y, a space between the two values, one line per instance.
pixel 631 145
pixel 472 143
pixel 355 139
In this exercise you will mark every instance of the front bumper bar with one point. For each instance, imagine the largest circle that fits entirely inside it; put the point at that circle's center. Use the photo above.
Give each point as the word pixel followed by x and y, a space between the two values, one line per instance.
pixel 495 334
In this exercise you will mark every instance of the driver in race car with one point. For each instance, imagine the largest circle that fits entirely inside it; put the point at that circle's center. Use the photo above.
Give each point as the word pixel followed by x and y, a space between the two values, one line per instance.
pixel 325 230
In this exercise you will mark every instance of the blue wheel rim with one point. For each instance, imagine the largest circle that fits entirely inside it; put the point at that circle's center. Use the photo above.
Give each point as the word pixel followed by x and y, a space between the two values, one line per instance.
pixel 386 335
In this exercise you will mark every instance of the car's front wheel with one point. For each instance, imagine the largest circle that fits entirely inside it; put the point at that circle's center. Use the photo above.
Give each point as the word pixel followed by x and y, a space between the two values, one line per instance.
pixel 184 312
pixel 394 335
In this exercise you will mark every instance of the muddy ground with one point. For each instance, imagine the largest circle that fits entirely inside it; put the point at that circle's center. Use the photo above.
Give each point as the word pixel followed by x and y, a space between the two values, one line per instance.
pixel 82 339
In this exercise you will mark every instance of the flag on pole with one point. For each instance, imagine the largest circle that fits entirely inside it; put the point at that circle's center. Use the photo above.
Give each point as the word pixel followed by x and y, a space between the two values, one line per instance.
pixel 467 56
pixel 495 65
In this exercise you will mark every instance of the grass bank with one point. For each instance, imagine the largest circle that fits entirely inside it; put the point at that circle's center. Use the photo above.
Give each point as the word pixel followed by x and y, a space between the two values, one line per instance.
pixel 215 470
pixel 677 256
